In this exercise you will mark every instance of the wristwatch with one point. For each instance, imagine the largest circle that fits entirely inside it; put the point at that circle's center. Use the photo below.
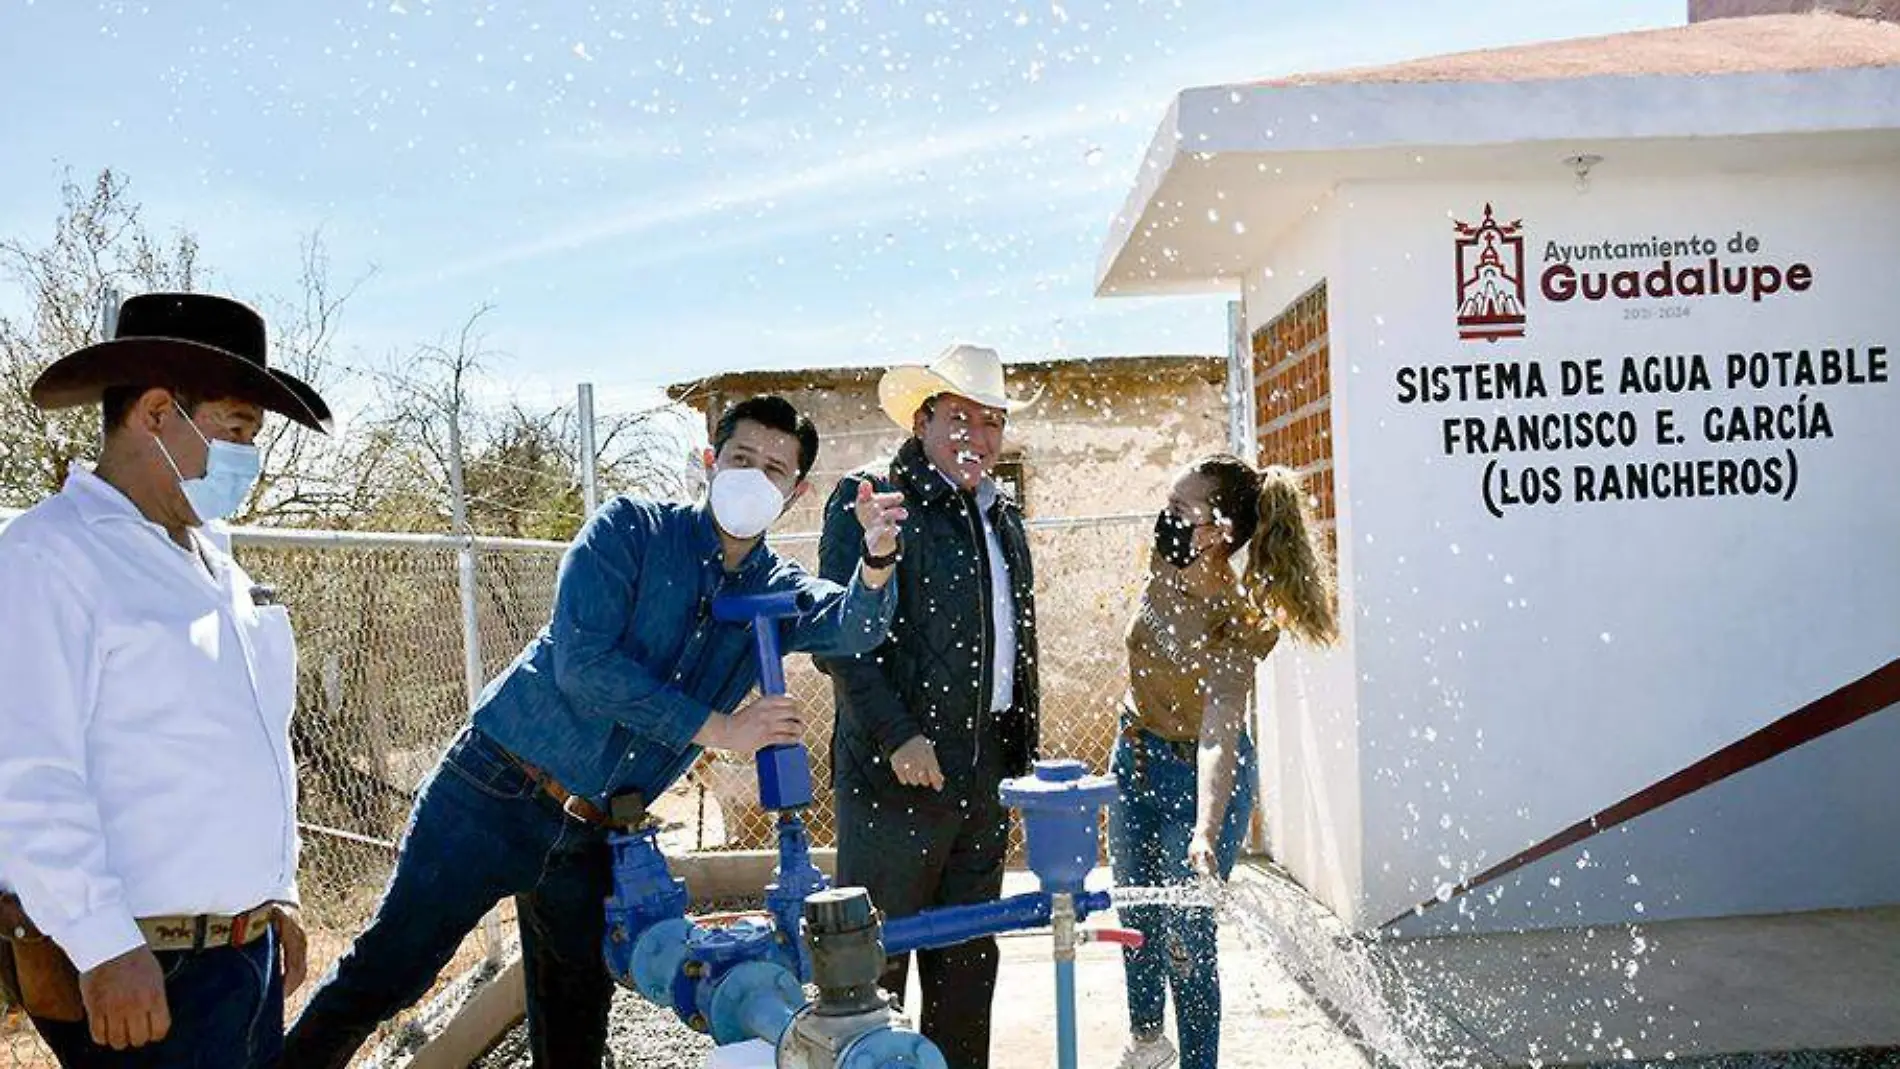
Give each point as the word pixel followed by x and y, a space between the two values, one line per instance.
pixel 881 562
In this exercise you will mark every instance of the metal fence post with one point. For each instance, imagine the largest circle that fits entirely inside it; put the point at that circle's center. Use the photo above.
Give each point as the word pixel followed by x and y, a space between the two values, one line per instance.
pixel 472 672
pixel 590 453
pixel 109 312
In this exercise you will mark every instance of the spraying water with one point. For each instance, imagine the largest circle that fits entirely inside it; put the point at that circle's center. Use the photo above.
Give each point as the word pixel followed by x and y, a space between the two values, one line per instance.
pixel 1345 973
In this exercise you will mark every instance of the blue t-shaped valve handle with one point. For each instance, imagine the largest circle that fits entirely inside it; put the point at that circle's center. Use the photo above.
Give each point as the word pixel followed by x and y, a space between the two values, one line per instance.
pixel 784 771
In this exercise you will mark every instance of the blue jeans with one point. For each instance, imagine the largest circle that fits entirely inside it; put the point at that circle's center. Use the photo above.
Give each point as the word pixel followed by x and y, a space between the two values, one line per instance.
pixel 1148 833
pixel 227 1009
pixel 481 830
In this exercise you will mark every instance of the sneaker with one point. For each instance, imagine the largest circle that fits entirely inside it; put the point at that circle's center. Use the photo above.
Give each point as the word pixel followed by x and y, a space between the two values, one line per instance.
pixel 1152 1053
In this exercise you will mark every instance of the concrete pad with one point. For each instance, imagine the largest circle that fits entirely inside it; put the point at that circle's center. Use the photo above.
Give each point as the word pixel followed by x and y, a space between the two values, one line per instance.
pixel 1826 981
pixel 1268 1021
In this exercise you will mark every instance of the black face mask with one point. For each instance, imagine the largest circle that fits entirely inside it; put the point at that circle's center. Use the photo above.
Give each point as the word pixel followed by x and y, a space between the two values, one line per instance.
pixel 1174 539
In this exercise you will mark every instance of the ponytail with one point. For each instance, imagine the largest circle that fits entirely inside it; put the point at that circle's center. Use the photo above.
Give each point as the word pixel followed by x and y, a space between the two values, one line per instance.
pixel 1288 575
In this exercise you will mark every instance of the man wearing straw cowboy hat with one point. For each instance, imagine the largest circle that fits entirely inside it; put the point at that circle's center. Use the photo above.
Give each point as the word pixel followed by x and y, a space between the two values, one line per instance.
pixel 147 792
pixel 931 722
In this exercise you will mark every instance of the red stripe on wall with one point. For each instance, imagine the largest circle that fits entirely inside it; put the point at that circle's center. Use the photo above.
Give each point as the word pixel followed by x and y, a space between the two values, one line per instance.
pixel 1853 702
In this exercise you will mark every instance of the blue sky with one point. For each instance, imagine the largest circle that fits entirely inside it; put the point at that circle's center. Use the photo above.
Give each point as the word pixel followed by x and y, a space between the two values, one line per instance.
pixel 647 192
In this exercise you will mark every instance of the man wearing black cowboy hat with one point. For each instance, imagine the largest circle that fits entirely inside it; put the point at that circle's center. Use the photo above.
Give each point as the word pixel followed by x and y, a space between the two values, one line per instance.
pixel 147 792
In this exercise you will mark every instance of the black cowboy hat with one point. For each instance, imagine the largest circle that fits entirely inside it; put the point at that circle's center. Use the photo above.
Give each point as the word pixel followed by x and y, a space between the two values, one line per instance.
pixel 195 342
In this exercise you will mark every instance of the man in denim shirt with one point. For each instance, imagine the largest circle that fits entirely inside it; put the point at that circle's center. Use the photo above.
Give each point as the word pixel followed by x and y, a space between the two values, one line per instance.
pixel 618 694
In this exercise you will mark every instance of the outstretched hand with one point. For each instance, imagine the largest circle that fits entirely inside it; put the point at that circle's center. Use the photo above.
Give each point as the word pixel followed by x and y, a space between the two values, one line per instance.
pixel 882 516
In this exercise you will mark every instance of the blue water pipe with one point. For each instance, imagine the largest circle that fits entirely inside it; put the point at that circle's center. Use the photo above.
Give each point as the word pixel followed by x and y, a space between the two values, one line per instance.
pixel 744 977
pixel 952 925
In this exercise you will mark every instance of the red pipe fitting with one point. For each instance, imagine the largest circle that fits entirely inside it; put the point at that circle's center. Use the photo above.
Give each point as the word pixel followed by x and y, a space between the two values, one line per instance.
pixel 1127 937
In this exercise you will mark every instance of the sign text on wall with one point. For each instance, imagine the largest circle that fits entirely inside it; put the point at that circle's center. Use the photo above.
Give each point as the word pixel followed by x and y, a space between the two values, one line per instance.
pixel 1724 423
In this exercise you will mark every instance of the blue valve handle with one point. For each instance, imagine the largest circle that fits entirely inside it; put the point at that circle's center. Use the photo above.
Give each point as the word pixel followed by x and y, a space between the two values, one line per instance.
pixel 785 770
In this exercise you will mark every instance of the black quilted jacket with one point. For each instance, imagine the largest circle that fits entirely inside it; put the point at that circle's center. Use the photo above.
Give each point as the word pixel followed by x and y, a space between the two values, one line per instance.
pixel 933 675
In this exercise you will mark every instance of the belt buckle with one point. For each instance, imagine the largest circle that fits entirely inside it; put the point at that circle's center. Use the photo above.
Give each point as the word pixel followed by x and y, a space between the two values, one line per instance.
pixel 199 925
pixel 571 806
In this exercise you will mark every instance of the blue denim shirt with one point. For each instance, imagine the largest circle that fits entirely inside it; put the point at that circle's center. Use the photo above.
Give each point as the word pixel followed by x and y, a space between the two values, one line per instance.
pixel 610 694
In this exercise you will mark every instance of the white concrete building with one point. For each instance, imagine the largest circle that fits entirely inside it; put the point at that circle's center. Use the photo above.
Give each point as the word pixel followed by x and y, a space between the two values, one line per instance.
pixel 1590 350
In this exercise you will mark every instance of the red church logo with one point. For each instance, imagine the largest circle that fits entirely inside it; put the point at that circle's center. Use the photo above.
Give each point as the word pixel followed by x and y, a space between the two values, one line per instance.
pixel 1490 279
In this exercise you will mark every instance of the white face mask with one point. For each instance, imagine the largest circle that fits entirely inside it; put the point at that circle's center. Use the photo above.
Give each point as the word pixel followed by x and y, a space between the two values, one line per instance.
pixel 744 502
pixel 231 470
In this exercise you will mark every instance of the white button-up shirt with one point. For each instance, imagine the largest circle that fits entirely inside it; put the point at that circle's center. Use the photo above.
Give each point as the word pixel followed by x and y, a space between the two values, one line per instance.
pixel 1002 601
pixel 1002 605
pixel 145 703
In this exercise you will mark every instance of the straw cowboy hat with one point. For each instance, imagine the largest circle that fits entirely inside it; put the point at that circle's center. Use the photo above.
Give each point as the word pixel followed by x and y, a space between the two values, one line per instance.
pixel 195 342
pixel 965 370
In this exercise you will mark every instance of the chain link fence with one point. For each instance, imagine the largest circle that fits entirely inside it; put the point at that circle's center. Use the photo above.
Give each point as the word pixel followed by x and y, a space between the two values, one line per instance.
pixel 382 688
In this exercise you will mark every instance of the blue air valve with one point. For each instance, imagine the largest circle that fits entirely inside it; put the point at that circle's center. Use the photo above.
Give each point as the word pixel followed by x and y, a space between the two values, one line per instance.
pixel 1061 807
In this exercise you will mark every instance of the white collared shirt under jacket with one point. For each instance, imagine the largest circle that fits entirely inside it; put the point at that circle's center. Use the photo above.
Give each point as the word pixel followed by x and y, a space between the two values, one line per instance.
pixel 145 704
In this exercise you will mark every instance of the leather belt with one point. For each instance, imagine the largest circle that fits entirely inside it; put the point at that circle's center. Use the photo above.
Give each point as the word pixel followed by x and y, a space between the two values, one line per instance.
pixel 572 804
pixel 1140 737
pixel 208 931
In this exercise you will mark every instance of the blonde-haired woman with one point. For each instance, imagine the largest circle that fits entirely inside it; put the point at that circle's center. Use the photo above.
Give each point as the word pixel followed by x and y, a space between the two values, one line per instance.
pixel 1185 760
